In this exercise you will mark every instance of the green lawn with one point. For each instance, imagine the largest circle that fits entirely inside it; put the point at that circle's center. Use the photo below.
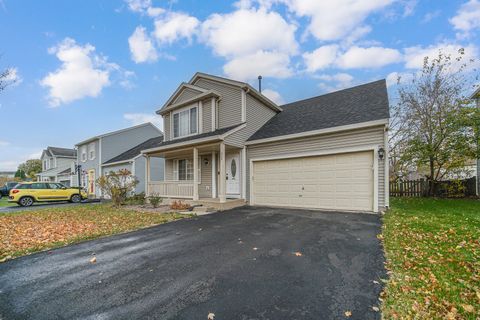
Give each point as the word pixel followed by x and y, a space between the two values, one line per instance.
pixel 25 232
pixel 4 202
pixel 433 258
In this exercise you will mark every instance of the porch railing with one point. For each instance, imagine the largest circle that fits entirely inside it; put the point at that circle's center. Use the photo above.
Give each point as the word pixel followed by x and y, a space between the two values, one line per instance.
pixel 171 189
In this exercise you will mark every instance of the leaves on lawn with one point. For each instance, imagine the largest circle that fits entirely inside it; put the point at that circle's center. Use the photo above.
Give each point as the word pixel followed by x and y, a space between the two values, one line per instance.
pixel 298 254
pixel 30 231
pixel 348 314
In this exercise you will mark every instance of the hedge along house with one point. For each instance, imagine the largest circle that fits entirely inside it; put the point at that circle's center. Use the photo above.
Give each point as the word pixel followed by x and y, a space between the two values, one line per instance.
pixel 95 152
pixel 224 141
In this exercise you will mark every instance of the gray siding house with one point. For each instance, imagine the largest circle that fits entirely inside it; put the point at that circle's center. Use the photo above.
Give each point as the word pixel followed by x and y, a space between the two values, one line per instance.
pixel 225 141
pixel 58 165
pixel 94 153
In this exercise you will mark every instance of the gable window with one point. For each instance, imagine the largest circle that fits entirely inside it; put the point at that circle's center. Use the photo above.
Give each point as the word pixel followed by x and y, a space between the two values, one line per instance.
pixel 91 151
pixel 185 122
pixel 84 154
pixel 45 164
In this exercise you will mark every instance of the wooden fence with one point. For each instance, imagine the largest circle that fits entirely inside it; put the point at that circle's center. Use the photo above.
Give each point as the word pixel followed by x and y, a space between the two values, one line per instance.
pixel 420 188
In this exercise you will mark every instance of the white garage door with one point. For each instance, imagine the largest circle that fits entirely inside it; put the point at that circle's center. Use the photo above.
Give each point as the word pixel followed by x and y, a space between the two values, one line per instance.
pixel 340 182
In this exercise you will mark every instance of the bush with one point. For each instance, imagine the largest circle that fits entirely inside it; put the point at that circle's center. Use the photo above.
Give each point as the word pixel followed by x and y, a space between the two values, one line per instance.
pixel 136 199
pixel 179 205
pixel 117 185
pixel 155 200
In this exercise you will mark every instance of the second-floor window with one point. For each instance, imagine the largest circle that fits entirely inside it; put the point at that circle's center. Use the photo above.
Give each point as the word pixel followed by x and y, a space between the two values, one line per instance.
pixel 84 154
pixel 91 151
pixel 185 122
pixel 45 164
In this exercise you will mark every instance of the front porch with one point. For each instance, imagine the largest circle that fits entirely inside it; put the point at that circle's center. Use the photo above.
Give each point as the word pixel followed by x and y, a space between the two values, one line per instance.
pixel 211 173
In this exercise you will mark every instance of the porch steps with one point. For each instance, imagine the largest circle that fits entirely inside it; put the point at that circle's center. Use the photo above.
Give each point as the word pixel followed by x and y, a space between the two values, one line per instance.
pixel 209 204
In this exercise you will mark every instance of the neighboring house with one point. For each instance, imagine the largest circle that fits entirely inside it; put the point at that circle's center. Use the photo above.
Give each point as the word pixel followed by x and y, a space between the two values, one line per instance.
pixel 96 151
pixel 476 97
pixel 7 174
pixel 225 140
pixel 58 165
pixel 134 161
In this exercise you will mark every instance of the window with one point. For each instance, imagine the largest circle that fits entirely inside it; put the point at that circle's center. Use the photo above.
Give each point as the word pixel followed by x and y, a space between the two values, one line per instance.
pixel 184 169
pixel 39 186
pixel 91 151
pixel 84 154
pixel 45 165
pixel 55 186
pixel 185 122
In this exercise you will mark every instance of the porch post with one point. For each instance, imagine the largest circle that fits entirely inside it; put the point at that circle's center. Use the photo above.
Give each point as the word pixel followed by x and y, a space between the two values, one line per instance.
pixel 147 176
pixel 222 179
pixel 195 174
pixel 214 175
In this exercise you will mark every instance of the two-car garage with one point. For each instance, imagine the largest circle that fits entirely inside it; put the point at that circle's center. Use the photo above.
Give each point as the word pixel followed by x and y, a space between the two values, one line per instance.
pixel 343 181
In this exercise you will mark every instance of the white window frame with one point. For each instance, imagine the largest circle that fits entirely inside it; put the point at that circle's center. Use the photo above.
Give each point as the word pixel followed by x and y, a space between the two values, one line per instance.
pixel 176 170
pixel 178 111
pixel 91 148
pixel 45 164
pixel 83 153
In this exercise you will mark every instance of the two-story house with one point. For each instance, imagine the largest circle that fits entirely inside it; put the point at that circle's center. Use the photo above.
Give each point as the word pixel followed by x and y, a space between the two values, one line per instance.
pixel 225 140
pixel 476 96
pixel 98 155
pixel 57 165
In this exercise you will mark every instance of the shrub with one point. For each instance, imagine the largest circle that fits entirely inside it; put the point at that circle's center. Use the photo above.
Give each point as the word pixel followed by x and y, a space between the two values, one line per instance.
pixel 136 199
pixel 179 205
pixel 117 185
pixel 155 200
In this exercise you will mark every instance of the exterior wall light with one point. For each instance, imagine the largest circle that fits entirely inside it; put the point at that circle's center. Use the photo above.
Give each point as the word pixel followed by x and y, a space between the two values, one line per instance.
pixel 381 153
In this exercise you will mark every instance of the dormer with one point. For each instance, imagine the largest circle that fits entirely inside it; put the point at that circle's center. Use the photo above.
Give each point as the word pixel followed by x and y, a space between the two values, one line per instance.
pixel 207 103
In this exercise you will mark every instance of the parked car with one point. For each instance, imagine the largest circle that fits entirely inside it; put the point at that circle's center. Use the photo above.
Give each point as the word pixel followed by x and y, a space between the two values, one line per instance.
pixel 26 194
pixel 5 190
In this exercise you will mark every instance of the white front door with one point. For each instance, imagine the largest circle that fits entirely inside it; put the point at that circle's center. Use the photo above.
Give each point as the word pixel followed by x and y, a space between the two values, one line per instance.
pixel 232 162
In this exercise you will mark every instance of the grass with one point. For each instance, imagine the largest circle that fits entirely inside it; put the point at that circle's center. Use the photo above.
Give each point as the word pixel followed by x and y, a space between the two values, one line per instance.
pixel 433 256
pixel 4 202
pixel 26 232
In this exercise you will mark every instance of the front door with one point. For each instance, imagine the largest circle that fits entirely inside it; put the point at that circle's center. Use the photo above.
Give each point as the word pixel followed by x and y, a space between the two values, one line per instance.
pixel 232 162
pixel 91 182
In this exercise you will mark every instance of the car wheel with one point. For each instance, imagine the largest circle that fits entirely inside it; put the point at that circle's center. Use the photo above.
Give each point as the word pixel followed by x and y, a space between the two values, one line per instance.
pixel 75 198
pixel 26 201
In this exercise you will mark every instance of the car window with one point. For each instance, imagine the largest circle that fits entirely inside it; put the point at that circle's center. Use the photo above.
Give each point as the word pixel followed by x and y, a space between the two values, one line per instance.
pixel 22 186
pixel 55 185
pixel 39 186
pixel 11 184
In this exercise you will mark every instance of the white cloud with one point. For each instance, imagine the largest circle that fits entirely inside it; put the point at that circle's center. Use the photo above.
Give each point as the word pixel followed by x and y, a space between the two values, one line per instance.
pixel 394 78
pixel 274 96
pixel 335 82
pixel 154 12
pixel 141 47
pixel 175 26
pixel 138 5
pixel 467 18
pixel 332 20
pixel 372 57
pixel 82 74
pixel 244 32
pixel 414 56
pixel 267 64
pixel 321 58
pixel 139 118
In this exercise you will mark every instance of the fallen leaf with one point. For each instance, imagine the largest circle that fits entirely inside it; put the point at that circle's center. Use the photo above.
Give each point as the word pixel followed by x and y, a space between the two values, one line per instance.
pixel 255 249
pixel 375 309
pixel 348 314
pixel 211 316
pixel 376 282
pixel 93 260
pixel 298 254
pixel 468 308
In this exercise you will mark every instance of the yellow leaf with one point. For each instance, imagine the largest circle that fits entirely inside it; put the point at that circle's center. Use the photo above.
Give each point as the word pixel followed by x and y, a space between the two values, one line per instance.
pixel 348 314
pixel 298 254
pixel 93 260
pixel 468 308
pixel 375 309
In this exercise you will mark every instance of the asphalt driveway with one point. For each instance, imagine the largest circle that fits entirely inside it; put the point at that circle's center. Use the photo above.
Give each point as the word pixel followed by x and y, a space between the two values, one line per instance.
pixel 239 264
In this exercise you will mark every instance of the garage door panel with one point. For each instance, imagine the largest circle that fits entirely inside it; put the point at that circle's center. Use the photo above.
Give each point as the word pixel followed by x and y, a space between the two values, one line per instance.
pixel 343 181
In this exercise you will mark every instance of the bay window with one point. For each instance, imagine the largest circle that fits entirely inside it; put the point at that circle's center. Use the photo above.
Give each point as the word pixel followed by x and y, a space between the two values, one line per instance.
pixel 185 122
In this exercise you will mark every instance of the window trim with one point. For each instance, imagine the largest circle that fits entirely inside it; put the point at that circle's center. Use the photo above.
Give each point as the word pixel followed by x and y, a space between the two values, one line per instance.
pixel 91 148
pixel 176 170
pixel 180 110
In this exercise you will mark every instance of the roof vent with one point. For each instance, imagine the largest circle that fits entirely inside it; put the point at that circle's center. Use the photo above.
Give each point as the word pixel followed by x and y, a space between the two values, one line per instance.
pixel 260 84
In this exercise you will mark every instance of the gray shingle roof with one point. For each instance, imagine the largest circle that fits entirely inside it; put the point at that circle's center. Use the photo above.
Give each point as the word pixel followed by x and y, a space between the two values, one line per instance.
pixel 135 151
pixel 62 152
pixel 198 136
pixel 358 104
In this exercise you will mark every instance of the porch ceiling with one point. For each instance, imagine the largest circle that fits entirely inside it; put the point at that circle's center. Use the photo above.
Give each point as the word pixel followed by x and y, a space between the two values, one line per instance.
pixel 188 151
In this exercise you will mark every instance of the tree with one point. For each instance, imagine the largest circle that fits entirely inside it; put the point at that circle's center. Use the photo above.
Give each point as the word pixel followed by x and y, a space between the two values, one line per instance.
pixel 434 126
pixel 31 167
pixel 7 77
pixel 117 185
pixel 20 174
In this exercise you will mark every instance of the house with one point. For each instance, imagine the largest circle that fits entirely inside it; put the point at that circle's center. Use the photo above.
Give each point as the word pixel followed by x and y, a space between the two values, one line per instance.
pixel 224 140
pixel 95 152
pixel 134 161
pixel 476 96
pixel 7 174
pixel 58 165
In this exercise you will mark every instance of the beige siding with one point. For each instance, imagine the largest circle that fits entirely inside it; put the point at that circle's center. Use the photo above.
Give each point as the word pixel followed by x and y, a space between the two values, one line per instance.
pixel 186 94
pixel 166 127
pixel 230 106
pixel 205 187
pixel 207 115
pixel 355 138
pixel 257 115
pixel 169 170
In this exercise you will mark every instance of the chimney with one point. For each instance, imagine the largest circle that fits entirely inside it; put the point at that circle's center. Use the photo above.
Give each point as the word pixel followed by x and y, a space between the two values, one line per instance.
pixel 260 84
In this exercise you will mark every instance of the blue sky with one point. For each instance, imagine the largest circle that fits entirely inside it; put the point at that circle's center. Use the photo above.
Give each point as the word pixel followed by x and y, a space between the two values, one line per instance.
pixel 87 67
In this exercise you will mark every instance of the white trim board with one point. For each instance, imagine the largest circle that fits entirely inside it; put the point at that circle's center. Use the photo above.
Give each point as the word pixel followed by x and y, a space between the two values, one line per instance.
pixel 320 131
pixel 325 152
